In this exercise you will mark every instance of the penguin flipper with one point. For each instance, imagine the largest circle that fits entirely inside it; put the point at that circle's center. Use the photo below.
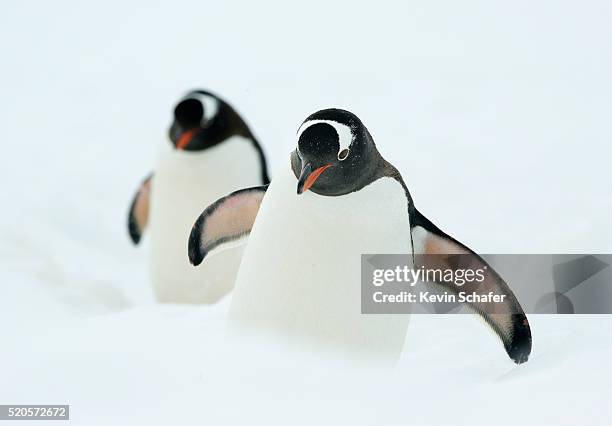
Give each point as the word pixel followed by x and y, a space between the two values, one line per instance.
pixel 226 223
pixel 138 215
pixel 507 319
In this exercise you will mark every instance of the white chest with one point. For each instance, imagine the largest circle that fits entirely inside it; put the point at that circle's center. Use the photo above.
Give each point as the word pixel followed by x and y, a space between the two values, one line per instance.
pixel 184 184
pixel 301 269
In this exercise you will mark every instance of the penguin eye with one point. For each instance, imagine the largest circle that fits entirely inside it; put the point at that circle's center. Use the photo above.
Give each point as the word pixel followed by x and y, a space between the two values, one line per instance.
pixel 343 154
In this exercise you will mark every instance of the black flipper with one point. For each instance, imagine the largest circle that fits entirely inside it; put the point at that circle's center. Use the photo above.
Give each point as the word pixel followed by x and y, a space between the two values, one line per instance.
pixel 224 223
pixel 507 319
pixel 138 215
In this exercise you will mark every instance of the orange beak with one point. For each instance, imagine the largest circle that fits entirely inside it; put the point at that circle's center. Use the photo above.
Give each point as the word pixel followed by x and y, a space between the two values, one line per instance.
pixel 185 138
pixel 309 177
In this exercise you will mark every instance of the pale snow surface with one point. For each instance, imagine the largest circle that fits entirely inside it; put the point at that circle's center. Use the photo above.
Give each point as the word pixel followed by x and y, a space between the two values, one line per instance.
pixel 497 115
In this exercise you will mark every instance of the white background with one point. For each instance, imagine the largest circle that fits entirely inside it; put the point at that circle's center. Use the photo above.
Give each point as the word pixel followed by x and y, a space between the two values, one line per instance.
pixel 497 114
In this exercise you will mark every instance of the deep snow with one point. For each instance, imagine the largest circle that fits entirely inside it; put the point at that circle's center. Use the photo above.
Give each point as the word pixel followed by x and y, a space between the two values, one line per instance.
pixel 497 115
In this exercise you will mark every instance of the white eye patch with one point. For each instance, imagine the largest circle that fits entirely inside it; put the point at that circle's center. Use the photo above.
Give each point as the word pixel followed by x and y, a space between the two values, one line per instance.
pixel 210 104
pixel 345 135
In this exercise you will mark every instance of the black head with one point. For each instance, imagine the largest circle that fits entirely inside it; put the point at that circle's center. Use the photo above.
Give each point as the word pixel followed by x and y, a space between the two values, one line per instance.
pixel 202 120
pixel 335 154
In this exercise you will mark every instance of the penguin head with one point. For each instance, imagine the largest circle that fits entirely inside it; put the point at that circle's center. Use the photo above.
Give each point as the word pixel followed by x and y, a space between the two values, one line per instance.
pixel 335 154
pixel 201 120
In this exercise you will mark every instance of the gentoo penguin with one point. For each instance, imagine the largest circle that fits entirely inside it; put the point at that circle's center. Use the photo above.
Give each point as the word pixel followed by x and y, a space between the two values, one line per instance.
pixel 212 152
pixel 336 199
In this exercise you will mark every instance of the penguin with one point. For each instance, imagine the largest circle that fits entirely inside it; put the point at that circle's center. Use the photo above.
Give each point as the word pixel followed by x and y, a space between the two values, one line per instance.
pixel 336 199
pixel 212 151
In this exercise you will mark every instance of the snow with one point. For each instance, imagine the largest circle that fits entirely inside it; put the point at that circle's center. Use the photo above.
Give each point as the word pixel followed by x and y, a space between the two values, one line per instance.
pixel 497 115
